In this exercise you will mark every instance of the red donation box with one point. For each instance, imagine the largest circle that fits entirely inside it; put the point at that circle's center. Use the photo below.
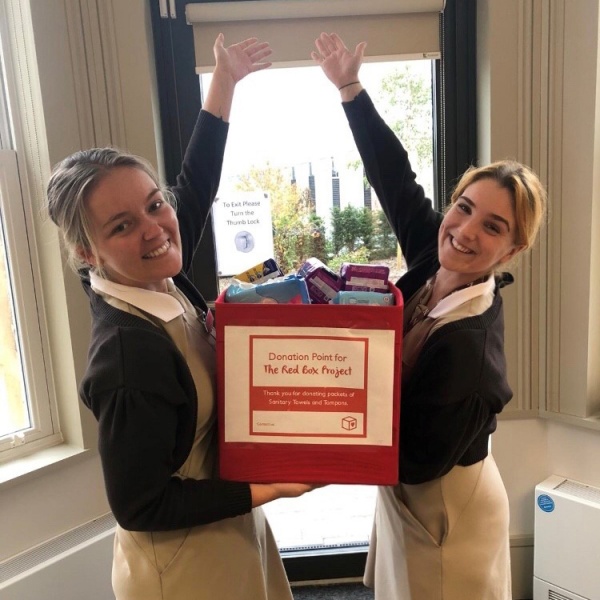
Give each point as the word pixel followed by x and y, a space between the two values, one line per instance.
pixel 309 393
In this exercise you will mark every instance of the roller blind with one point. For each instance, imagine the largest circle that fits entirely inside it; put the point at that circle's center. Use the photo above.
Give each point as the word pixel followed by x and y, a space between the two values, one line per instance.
pixel 392 28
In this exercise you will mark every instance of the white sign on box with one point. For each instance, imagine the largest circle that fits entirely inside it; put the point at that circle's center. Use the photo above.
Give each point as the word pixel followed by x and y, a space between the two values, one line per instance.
pixel 243 230
pixel 309 385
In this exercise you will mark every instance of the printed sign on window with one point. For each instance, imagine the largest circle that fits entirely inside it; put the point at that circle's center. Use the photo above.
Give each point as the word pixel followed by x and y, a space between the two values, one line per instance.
pixel 243 230
pixel 311 385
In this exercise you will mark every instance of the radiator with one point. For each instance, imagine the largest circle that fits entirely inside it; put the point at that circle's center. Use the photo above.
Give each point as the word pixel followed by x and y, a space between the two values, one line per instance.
pixel 73 566
pixel 566 563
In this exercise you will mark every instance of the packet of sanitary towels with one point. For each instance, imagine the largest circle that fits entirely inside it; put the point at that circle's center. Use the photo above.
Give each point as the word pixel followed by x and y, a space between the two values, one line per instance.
pixel 366 278
pixel 290 289
pixel 363 298
pixel 322 283
pixel 261 272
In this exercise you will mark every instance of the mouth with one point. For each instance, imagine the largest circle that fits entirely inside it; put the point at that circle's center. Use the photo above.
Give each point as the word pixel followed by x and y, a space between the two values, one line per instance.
pixel 457 246
pixel 159 251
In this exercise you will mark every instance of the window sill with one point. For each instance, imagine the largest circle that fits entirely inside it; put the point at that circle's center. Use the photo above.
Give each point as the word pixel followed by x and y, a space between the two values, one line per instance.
pixel 592 422
pixel 28 467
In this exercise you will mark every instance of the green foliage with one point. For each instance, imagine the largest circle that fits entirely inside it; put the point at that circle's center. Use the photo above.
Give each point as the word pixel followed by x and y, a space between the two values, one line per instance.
pixel 351 227
pixel 360 228
pixel 359 256
pixel 384 240
pixel 357 234
pixel 407 97
pixel 298 232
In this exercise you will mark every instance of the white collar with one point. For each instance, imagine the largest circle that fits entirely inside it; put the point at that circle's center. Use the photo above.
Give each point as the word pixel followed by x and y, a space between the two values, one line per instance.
pixel 452 301
pixel 163 306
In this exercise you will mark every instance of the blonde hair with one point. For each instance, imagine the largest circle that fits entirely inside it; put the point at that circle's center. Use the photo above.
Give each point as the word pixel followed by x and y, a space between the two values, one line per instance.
pixel 527 192
pixel 70 185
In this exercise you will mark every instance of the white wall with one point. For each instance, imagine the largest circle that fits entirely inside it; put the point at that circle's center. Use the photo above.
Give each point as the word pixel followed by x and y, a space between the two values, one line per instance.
pixel 574 452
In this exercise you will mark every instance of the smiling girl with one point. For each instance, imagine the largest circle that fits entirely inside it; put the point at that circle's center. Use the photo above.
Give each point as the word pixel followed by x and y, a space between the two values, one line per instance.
pixel 442 532
pixel 182 533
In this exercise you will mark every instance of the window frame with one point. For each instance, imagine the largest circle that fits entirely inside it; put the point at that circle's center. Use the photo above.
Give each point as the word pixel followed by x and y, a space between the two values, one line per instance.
pixel 179 101
pixel 179 95
pixel 16 221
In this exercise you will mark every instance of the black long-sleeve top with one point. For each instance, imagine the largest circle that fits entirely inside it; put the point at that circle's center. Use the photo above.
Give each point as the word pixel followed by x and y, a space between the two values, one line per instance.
pixel 139 386
pixel 458 384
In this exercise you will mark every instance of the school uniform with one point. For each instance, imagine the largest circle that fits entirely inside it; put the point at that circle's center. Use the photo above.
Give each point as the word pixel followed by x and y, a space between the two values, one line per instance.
pixel 442 533
pixel 182 534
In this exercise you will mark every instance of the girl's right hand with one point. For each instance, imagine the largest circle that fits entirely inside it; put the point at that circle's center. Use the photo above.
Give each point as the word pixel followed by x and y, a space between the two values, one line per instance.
pixel 267 492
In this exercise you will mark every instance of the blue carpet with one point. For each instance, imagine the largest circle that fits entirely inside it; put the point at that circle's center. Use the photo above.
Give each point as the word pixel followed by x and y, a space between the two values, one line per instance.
pixel 344 591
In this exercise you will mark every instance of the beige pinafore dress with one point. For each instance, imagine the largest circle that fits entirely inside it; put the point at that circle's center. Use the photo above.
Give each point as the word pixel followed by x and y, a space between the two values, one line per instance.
pixel 232 559
pixel 446 539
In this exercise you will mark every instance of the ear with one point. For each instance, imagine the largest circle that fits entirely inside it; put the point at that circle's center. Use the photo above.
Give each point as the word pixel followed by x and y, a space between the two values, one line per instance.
pixel 87 256
pixel 511 254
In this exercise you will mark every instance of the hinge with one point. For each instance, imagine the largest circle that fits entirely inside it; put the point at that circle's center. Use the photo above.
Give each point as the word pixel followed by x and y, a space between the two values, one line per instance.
pixel 163 9
pixel 167 9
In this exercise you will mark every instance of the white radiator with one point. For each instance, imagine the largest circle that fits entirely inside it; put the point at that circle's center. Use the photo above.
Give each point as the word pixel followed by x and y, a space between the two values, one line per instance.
pixel 73 566
pixel 566 563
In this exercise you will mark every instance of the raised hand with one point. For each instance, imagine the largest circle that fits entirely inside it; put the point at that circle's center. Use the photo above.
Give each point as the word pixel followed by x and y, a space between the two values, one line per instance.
pixel 233 63
pixel 238 60
pixel 339 64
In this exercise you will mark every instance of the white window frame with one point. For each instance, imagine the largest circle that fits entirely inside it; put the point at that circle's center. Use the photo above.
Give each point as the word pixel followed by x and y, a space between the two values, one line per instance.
pixel 18 232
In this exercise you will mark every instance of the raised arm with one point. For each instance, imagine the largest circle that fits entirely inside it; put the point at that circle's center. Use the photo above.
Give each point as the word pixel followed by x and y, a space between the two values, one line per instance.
pixel 386 163
pixel 198 181
pixel 233 63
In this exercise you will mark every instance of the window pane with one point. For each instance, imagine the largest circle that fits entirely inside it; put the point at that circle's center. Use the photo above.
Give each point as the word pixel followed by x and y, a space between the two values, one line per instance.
pixel 27 415
pixel 28 419
pixel 289 139
pixel 14 412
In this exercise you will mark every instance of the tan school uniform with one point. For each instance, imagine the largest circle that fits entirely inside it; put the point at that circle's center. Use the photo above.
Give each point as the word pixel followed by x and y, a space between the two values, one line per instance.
pixel 446 539
pixel 232 559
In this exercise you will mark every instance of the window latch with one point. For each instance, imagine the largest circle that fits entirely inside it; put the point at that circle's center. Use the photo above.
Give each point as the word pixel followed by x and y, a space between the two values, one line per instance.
pixel 17 439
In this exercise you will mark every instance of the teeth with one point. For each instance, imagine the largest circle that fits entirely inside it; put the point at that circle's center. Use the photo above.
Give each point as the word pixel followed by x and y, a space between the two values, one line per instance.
pixel 460 247
pixel 159 251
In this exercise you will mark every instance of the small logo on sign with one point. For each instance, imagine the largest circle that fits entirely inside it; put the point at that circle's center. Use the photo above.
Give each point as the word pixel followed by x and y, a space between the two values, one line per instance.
pixel 349 423
pixel 545 503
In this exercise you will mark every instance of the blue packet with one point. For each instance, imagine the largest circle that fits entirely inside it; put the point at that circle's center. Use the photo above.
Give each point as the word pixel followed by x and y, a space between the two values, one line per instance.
pixel 290 289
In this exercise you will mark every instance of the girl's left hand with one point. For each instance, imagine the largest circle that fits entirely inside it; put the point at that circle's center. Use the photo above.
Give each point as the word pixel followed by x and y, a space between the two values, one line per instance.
pixel 339 64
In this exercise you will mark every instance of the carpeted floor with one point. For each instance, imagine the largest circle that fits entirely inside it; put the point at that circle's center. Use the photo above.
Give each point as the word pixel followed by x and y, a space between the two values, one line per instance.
pixel 344 591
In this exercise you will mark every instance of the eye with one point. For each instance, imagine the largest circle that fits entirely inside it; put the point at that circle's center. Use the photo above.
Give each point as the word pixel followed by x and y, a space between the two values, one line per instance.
pixel 156 202
pixel 464 207
pixel 156 205
pixel 492 227
pixel 119 228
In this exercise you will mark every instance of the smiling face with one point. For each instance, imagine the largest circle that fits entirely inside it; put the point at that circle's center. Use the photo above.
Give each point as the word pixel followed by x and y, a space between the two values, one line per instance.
pixel 478 232
pixel 134 230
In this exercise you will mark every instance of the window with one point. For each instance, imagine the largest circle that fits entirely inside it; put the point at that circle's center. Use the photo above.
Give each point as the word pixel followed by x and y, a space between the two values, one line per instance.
pixel 27 415
pixel 304 158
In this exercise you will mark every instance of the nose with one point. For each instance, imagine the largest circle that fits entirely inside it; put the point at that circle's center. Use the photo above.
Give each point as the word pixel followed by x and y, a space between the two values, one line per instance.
pixel 151 229
pixel 468 229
